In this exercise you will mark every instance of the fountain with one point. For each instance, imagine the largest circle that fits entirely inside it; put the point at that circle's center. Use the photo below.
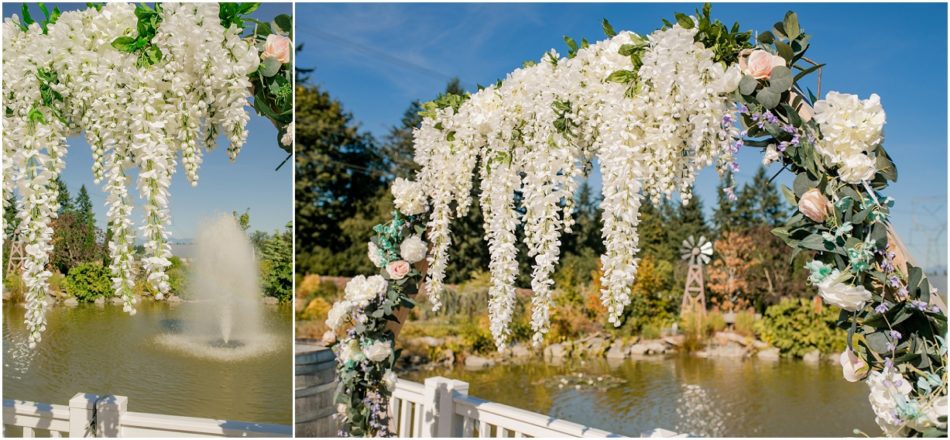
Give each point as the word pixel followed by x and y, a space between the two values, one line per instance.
pixel 222 318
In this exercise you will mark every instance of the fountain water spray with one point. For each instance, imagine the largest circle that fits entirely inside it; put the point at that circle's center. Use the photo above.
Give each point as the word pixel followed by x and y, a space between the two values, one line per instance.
pixel 223 314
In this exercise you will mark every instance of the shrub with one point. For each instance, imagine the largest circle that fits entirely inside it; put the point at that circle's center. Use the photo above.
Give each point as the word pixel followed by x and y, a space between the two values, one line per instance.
pixel 57 284
pixel 796 327
pixel 651 331
pixel 476 337
pixel 176 276
pixel 316 309
pixel 715 322
pixel 13 285
pixel 745 322
pixel 88 281
pixel 307 286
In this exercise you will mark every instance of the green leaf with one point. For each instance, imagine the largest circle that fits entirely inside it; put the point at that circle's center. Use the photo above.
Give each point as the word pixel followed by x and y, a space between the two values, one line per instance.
pixel 572 45
pixel 25 10
pixel 766 38
pixel 781 79
pixel 768 98
pixel 154 54
pixel 789 195
pixel 785 51
pixel 622 76
pixel 608 29
pixel 123 44
pixel 811 69
pixel 684 21
pixel 791 25
pixel 285 22
pixel 815 242
pixel 747 84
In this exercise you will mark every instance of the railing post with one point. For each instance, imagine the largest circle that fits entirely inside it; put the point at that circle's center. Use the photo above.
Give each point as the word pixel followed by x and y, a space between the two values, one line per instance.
pixel 80 415
pixel 94 416
pixel 109 413
pixel 440 419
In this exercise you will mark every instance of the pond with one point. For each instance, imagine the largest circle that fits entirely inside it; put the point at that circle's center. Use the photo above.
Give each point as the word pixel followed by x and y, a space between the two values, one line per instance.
pixel 99 349
pixel 701 397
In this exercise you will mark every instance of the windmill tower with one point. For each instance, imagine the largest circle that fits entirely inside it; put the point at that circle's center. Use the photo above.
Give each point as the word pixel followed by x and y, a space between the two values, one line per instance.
pixel 696 253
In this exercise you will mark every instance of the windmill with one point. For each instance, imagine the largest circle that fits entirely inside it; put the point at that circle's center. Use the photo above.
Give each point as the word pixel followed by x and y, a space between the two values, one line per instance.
pixel 696 253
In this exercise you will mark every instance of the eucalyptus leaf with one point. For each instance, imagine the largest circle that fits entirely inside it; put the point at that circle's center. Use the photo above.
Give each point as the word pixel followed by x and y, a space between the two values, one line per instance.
pixel 768 98
pixel 747 84
pixel 781 79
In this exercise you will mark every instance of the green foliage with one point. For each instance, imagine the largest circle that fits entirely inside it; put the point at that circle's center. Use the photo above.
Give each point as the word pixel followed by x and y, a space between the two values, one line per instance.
pixel 88 281
pixel 74 242
pixel 476 338
pixel 14 287
pixel 725 42
pixel 277 252
pixel 745 323
pixel 177 276
pixel 49 17
pixel 798 326
pixel 234 13
pixel 141 43
pixel 337 173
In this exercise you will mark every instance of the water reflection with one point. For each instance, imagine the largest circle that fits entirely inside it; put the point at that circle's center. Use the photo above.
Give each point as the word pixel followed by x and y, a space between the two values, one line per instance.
pixel 701 397
pixel 102 350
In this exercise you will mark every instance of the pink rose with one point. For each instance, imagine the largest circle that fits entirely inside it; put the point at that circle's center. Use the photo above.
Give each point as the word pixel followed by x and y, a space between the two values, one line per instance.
pixel 398 269
pixel 814 205
pixel 277 48
pixel 759 64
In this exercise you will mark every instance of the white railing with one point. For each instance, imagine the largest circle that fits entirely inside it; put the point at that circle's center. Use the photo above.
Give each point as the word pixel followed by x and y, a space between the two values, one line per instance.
pixel 89 415
pixel 442 408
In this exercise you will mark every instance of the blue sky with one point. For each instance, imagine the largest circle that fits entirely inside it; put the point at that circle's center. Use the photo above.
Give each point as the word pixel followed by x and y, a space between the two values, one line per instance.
pixel 377 58
pixel 250 182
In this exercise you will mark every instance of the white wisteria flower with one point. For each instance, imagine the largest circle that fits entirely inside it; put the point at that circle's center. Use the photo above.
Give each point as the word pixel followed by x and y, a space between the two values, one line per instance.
pixel 413 249
pixel 133 117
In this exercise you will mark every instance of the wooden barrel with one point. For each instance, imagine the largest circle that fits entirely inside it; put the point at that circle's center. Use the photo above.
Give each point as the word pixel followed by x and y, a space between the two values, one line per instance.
pixel 314 385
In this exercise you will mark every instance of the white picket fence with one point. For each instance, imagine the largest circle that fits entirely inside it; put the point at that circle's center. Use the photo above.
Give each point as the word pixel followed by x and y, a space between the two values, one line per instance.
pixel 441 407
pixel 89 415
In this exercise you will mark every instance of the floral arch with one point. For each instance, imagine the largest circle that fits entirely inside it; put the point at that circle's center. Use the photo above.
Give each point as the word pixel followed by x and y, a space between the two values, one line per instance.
pixel 654 109
pixel 148 87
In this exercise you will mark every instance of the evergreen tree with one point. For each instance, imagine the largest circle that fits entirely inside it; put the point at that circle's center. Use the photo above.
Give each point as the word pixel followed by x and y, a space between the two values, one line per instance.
pixel 723 212
pixel 84 207
pixel 65 202
pixel 398 147
pixel 338 171
pixel 769 206
pixel 10 221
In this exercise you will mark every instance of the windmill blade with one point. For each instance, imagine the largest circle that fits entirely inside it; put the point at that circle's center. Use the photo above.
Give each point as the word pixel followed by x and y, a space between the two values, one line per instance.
pixel 704 258
pixel 707 249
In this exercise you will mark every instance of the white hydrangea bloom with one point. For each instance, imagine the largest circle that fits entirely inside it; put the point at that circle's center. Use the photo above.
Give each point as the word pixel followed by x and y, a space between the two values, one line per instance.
pixel 851 128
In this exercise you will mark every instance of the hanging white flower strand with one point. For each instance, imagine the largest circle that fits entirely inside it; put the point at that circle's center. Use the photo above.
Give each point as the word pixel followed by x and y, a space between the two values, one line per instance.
pixel 531 134
pixel 133 115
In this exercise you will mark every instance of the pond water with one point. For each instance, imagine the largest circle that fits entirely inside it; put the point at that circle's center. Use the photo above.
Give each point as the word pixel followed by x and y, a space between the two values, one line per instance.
pixel 101 350
pixel 701 397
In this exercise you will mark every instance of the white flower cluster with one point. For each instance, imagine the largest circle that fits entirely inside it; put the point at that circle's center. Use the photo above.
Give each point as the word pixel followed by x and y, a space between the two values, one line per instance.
pixel 132 116
pixel 851 130
pixel 535 132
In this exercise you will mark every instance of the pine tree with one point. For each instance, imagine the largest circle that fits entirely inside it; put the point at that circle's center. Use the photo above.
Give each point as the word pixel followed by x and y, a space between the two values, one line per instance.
pixel 84 207
pixel 723 212
pixel 769 206
pixel 65 202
